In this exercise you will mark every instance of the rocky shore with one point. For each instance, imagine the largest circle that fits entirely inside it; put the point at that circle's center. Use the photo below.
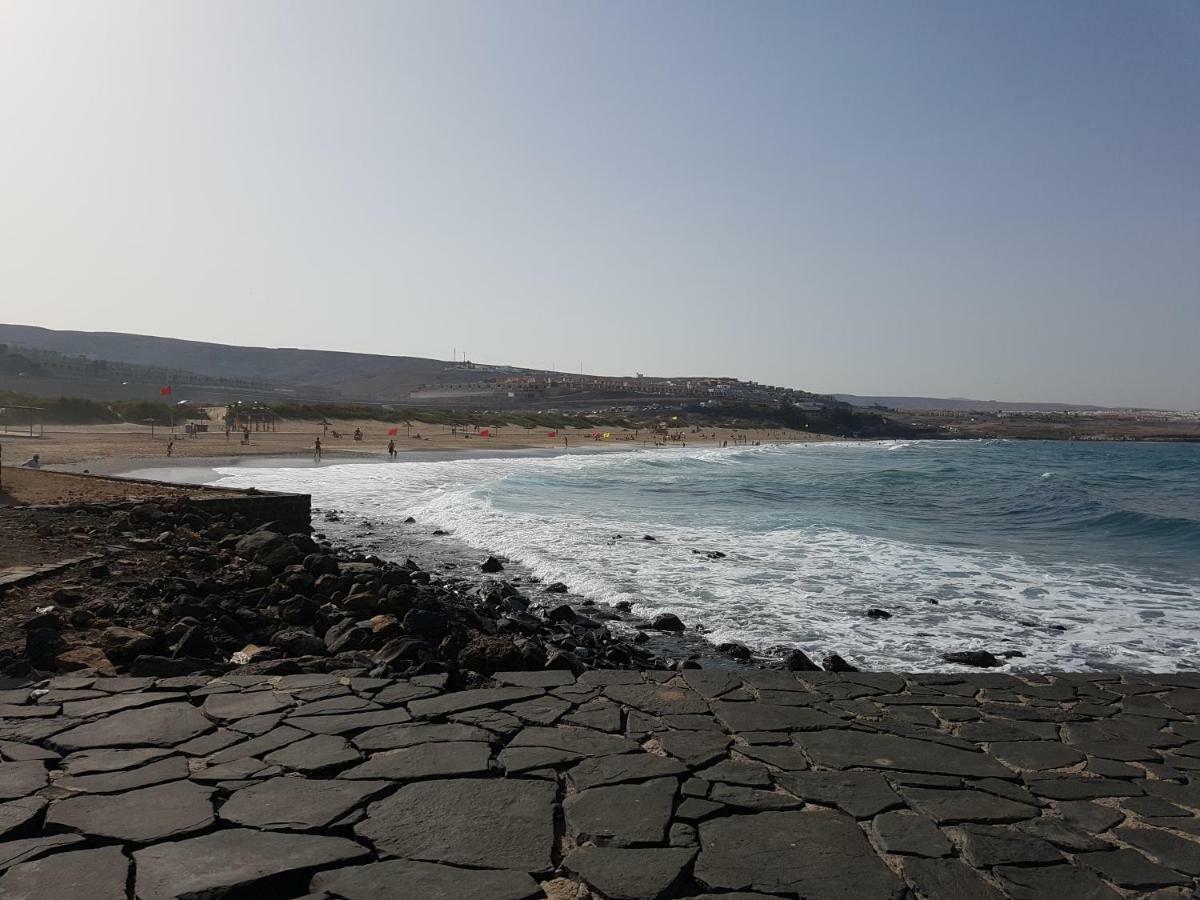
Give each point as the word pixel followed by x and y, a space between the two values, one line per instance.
pixel 198 706
pixel 167 589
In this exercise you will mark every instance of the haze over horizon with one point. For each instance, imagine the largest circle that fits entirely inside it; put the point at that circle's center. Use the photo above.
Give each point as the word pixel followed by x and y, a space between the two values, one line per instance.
pixel 926 199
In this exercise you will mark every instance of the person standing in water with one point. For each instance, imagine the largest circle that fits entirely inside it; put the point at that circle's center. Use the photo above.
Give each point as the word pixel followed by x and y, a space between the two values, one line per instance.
pixel 391 449
pixel 317 450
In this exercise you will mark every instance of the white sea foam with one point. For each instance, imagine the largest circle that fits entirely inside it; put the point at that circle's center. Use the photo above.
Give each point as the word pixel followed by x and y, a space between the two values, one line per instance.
pixel 807 587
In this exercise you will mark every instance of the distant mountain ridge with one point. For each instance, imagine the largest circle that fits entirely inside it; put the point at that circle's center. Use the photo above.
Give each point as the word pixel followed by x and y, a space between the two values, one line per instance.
pixel 348 375
pixel 316 375
pixel 964 404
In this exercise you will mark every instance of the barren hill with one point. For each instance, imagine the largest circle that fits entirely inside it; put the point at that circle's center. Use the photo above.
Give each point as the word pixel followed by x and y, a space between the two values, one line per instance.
pixel 323 373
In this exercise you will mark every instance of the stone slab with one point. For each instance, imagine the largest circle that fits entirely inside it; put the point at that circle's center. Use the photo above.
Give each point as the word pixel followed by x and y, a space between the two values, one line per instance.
pixel 846 749
pixel 622 814
pixel 99 874
pixel 628 874
pixel 438 760
pixel 139 816
pixel 298 804
pixel 453 821
pixel 163 725
pixel 406 878
pixel 234 859
pixel 818 855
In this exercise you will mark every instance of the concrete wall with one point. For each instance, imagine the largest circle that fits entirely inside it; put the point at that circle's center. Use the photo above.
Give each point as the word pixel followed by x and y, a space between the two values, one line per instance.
pixel 292 511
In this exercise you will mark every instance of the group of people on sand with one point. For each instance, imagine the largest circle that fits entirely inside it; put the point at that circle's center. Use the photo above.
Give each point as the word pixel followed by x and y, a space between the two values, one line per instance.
pixel 392 452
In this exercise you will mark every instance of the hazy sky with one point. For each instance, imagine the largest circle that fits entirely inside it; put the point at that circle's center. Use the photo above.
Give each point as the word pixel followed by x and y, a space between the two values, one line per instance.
pixel 985 199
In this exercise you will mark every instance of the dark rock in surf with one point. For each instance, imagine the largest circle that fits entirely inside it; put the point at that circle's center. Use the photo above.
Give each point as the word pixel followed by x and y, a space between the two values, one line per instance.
pixel 491 564
pixel 878 614
pixel 556 588
pixel 979 658
pixel 734 649
pixel 666 622
pixel 798 661
pixel 834 663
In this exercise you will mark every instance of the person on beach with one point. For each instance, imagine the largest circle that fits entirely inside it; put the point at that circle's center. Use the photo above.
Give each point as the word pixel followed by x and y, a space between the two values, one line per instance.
pixel 170 446
pixel 317 450
pixel 391 449
pixel 34 462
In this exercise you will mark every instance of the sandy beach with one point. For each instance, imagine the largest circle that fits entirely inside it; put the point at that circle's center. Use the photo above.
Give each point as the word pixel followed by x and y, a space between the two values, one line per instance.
pixel 119 448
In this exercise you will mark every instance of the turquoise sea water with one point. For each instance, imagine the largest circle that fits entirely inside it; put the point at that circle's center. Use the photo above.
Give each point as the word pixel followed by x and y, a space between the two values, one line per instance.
pixel 1080 555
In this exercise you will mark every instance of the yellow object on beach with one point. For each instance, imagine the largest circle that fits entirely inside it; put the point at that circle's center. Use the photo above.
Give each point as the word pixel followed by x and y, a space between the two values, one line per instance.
pixel 607 435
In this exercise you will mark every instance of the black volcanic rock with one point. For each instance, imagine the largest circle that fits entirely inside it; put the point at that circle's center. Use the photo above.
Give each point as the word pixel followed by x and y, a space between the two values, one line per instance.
pixel 980 658
pixel 834 663
pixel 666 622
pixel 798 661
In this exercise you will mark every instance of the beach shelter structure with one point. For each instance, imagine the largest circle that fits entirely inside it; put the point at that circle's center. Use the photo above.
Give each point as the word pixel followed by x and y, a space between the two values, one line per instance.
pixel 242 416
pixel 23 417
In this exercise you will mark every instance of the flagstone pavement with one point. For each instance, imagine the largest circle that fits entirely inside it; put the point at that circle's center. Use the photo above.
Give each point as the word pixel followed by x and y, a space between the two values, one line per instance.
pixel 614 784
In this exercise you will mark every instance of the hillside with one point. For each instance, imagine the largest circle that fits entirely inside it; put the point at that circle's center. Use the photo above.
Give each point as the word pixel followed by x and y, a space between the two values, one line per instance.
pixel 352 376
pixel 963 404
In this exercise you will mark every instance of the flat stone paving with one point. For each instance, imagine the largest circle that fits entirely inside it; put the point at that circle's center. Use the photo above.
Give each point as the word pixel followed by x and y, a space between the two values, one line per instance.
pixel 613 785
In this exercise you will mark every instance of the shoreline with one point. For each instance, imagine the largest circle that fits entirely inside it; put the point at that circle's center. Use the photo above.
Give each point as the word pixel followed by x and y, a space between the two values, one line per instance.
pixel 172 587
pixel 447 553
pixel 383 534
pixel 104 448
pixel 175 469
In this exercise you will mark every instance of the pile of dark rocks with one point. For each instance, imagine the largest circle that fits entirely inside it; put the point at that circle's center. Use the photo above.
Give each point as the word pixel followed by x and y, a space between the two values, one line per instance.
pixel 173 590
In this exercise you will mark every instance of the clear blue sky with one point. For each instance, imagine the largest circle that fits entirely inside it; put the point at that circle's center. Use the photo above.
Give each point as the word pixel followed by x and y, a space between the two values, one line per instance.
pixel 996 200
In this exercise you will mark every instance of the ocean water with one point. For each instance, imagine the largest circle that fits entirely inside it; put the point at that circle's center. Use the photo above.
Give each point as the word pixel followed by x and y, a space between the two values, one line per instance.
pixel 1082 556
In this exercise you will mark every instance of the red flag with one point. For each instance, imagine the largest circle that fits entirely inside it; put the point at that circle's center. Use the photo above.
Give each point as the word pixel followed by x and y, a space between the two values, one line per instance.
pixel 392 432
pixel 485 433
pixel 551 434
pixel 165 391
